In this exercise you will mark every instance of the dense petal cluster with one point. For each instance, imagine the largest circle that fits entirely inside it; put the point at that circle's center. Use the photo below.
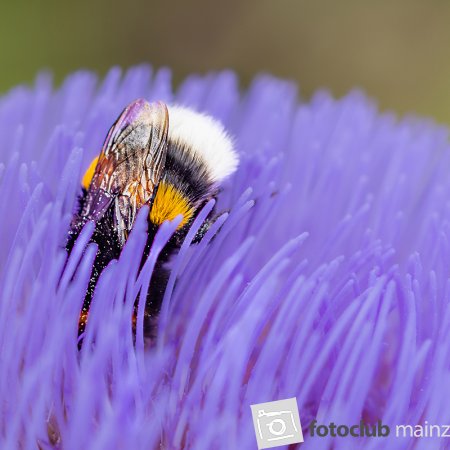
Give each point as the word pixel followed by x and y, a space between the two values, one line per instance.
pixel 326 278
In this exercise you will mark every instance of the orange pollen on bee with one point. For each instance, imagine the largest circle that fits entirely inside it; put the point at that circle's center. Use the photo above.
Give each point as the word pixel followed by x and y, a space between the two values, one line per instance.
pixel 169 202
pixel 82 319
pixel 87 177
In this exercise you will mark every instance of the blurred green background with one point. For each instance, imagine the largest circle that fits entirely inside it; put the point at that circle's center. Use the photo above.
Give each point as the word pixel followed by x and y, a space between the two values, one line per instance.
pixel 398 51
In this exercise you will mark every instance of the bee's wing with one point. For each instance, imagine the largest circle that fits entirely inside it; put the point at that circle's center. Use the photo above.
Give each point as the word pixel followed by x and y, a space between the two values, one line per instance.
pixel 130 164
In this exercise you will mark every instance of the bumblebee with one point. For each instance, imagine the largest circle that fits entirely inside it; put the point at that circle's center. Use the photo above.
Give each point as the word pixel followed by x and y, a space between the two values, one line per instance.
pixel 167 157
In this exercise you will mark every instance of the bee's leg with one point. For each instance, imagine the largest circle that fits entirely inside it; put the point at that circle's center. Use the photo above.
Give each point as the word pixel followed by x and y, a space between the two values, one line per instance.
pixel 203 230
pixel 155 295
pixel 150 330
pixel 158 282
pixel 179 237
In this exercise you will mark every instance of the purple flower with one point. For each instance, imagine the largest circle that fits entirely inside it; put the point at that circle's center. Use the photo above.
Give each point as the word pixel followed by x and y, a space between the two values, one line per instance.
pixel 327 278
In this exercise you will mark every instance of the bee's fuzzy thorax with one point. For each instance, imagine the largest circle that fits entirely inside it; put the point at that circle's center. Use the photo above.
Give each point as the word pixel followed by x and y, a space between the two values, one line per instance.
pixel 206 138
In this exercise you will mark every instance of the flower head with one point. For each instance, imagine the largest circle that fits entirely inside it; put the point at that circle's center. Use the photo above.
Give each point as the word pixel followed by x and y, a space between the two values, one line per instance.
pixel 325 278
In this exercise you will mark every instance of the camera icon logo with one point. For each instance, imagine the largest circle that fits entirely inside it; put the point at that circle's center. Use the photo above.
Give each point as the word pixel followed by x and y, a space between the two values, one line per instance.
pixel 277 423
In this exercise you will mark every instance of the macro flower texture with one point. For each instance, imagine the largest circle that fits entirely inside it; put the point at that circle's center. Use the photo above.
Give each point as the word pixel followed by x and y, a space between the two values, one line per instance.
pixel 324 278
